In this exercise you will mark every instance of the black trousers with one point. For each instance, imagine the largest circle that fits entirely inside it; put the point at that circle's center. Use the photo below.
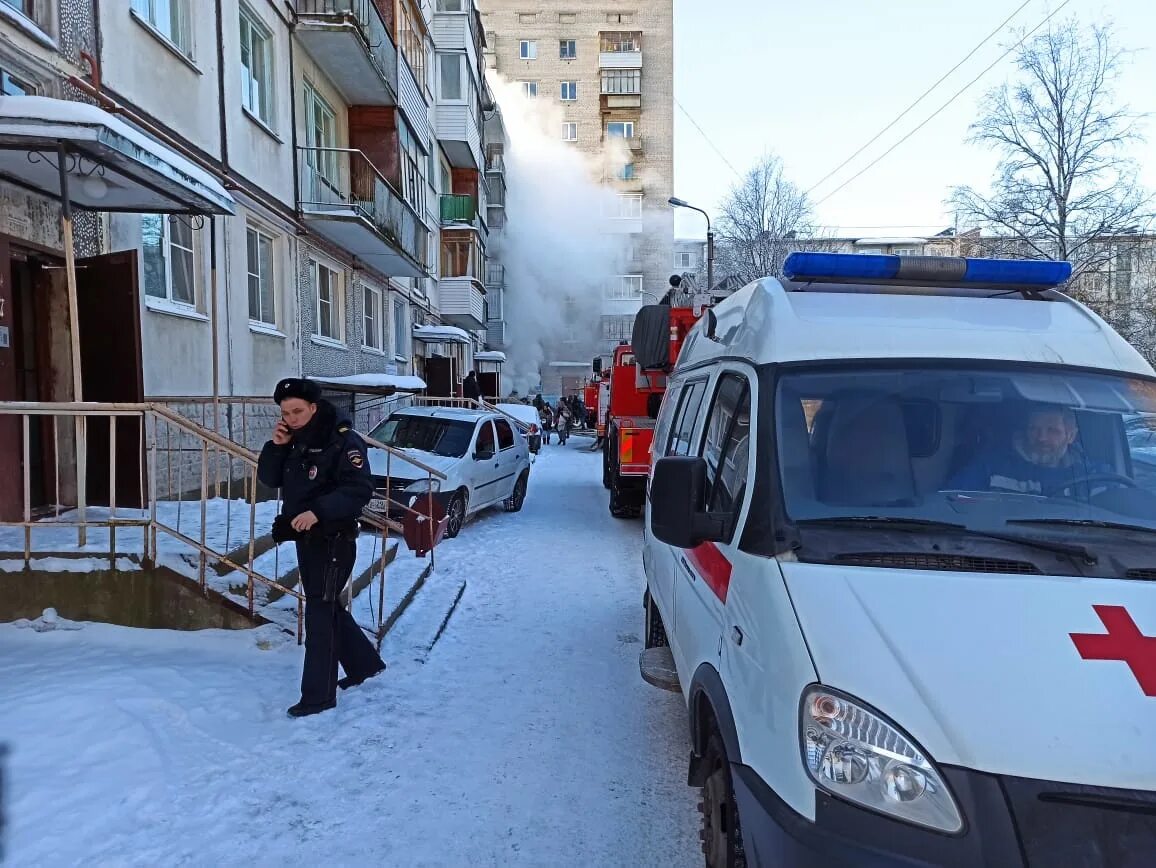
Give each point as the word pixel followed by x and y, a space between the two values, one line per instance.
pixel 331 634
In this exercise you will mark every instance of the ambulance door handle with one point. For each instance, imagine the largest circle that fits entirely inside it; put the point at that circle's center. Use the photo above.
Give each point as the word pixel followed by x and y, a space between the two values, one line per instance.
pixel 737 635
pixel 689 571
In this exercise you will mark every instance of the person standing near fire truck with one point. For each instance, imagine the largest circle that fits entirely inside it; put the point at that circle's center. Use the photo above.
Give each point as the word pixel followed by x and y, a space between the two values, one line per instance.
pixel 321 467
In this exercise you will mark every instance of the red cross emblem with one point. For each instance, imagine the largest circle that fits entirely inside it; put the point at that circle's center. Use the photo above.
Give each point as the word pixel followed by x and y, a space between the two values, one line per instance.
pixel 1123 642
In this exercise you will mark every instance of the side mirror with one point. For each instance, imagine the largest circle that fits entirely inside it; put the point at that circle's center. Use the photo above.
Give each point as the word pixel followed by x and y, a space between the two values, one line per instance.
pixel 597 367
pixel 710 325
pixel 678 514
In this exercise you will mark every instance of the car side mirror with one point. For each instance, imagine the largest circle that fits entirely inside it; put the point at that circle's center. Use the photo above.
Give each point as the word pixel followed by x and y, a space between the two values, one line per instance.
pixel 678 515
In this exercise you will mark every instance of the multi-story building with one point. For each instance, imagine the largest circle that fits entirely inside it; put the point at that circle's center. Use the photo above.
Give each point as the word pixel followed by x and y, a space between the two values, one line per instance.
pixel 609 70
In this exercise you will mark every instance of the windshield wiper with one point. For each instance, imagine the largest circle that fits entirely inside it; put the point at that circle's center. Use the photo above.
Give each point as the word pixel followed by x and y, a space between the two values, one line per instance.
pixel 900 523
pixel 1084 522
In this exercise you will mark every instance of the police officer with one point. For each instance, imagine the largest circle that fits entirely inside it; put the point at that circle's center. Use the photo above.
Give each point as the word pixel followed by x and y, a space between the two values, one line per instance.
pixel 320 465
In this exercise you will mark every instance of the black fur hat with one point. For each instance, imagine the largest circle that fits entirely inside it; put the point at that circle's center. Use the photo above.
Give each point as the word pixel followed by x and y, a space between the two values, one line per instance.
pixel 297 387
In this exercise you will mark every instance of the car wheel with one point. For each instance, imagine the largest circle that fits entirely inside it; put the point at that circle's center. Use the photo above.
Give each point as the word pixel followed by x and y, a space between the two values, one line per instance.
pixel 605 466
pixel 456 515
pixel 722 840
pixel 514 502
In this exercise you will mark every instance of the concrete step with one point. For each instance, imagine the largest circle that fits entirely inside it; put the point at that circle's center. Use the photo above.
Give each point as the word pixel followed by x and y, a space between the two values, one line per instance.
pixel 240 554
pixel 419 627
pixel 657 668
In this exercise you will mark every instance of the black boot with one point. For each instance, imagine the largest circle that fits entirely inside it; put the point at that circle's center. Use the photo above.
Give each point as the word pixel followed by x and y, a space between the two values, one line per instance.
pixel 303 710
pixel 353 680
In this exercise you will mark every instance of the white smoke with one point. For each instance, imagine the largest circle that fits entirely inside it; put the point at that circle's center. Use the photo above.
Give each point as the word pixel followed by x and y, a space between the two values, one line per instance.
pixel 556 252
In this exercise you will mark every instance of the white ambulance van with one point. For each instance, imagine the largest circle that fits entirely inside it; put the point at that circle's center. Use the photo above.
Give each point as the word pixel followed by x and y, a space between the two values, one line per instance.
pixel 900 555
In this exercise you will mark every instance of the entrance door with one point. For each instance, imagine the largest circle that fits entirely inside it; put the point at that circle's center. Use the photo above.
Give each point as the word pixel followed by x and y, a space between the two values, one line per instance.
pixel 488 381
pixel 111 371
pixel 439 377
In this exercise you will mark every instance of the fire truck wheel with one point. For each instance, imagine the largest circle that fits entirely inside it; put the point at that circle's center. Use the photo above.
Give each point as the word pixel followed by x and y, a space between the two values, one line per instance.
pixel 514 502
pixel 722 840
pixel 456 514
pixel 605 468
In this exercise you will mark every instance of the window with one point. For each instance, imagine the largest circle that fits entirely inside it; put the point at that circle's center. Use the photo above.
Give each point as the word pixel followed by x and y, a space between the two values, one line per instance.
pixel 725 444
pixel 256 67
pixel 620 129
pixel 569 132
pixel 167 258
pixel 625 287
pixel 486 438
pixel 906 251
pixel 12 86
pixel 630 206
pixel 618 43
pixel 505 434
pixel 413 161
pixel 619 17
pixel 170 18
pixel 622 81
pixel 683 260
pixel 400 329
pixel 529 89
pixel 569 91
pixel 320 137
pixel 452 5
pixel 450 77
pixel 412 40
pixel 371 314
pixel 626 173
pixel 259 247
pixel 685 417
pixel 617 328
pixel 327 284
pixel 567 49
pixel 528 49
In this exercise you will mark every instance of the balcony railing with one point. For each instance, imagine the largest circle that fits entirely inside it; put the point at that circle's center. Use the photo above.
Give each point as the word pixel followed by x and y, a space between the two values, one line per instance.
pixel 495 274
pixel 495 163
pixel 364 17
pixel 458 209
pixel 342 180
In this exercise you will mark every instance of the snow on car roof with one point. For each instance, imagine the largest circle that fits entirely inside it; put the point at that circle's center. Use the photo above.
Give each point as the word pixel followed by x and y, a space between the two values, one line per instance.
pixel 466 413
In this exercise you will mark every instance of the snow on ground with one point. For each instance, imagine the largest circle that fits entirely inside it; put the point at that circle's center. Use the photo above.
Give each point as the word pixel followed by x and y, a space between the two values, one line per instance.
pixel 526 738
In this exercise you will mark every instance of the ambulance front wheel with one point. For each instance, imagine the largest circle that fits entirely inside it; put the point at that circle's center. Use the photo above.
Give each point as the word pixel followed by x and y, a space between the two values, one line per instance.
pixel 722 839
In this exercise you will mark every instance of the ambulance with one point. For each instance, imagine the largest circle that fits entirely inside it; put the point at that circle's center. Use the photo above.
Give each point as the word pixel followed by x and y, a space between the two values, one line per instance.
pixel 900 559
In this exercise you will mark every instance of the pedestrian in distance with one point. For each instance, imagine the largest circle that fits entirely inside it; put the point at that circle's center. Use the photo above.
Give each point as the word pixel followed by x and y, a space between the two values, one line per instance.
pixel 320 464
pixel 546 415
pixel 471 389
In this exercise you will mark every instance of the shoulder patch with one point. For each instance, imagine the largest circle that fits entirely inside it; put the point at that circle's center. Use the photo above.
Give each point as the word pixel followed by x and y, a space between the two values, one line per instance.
pixel 355 458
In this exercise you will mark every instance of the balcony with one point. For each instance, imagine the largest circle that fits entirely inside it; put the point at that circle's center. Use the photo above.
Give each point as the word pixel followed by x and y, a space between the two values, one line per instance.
pixel 458 209
pixel 350 42
pixel 620 50
pixel 634 143
pixel 463 302
pixel 496 334
pixel 495 275
pixel 496 164
pixel 347 201
pixel 460 137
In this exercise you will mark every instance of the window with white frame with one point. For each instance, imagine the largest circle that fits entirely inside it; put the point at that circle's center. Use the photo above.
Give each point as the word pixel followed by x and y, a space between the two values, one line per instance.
pixel 167 259
pixel 622 81
pixel 256 67
pixel 620 129
pixel 569 91
pixel 320 140
pixel 451 87
pixel 906 251
pixel 629 206
pixel 330 305
pixel 413 162
pixel 259 256
pixel 570 131
pixel 372 313
pixel 528 49
pixel 400 329
pixel 171 19
pixel 529 89
pixel 567 49
pixel 452 5
pixel 624 287
pixel 683 260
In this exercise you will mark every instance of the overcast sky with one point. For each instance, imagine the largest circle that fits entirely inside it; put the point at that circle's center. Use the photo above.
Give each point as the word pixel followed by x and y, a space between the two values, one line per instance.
pixel 812 82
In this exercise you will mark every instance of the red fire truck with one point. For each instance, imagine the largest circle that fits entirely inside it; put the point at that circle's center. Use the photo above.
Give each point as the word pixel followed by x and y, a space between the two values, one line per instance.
pixel 637 383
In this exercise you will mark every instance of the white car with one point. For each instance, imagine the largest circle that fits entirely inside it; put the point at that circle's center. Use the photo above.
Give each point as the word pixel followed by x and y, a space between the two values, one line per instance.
pixel 485 459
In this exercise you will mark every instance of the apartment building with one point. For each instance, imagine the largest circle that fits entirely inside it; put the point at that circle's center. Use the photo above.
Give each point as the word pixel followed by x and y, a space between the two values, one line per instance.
pixel 610 70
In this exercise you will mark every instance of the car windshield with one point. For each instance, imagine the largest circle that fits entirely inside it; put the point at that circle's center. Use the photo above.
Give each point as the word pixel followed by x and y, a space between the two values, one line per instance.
pixel 449 437
pixel 986 448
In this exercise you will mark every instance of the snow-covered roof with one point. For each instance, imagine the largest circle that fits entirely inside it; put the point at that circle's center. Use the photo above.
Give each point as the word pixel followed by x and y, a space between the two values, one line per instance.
pixel 569 364
pixel 880 242
pixel 441 334
pixel 140 174
pixel 490 356
pixel 398 382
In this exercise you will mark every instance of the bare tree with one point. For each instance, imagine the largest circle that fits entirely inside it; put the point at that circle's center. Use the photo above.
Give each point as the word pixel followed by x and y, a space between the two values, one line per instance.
pixel 1064 187
pixel 764 217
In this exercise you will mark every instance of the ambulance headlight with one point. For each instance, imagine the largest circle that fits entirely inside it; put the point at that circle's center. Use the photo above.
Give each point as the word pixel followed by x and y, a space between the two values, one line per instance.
pixel 423 486
pixel 857 755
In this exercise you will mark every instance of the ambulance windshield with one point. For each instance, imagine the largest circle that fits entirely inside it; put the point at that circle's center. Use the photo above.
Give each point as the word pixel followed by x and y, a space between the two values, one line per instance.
pixel 981 447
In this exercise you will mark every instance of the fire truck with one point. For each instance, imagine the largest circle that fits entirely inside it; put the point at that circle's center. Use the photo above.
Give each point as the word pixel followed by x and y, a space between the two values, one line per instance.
pixel 634 390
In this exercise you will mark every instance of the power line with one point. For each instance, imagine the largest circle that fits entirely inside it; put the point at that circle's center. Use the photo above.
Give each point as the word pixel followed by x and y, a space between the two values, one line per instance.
pixel 939 110
pixel 921 97
pixel 708 140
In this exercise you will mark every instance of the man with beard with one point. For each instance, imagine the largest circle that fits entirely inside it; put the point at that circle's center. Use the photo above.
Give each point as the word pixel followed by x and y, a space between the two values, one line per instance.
pixel 321 467
pixel 1042 458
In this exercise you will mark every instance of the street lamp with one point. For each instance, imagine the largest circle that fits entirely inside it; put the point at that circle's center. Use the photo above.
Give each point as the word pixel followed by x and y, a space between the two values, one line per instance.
pixel 682 203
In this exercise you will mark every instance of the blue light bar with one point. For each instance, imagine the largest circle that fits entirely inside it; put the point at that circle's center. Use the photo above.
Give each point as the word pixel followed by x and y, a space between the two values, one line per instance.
pixel 947 270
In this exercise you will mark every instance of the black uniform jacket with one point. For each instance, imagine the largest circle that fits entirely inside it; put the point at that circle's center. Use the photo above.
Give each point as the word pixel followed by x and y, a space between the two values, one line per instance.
pixel 324 468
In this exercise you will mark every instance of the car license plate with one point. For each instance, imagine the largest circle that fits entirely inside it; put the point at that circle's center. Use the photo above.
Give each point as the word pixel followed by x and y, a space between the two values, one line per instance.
pixel 377 504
